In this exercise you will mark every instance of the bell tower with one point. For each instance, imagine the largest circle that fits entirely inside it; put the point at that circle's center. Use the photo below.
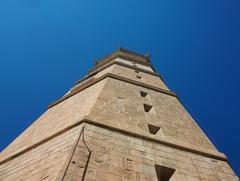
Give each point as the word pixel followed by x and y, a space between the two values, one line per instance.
pixel 119 123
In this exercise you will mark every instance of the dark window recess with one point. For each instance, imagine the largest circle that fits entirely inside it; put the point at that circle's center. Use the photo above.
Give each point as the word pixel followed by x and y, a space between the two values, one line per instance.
pixel 153 129
pixel 120 97
pixel 139 77
pixel 164 173
pixel 147 107
pixel 143 94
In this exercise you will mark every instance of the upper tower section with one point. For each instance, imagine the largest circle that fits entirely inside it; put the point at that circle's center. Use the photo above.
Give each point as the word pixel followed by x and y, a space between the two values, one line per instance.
pixel 123 65
pixel 125 57
pixel 129 56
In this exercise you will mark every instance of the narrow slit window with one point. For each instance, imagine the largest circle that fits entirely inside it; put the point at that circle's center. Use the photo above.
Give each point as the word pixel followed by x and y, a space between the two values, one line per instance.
pixel 164 173
pixel 120 97
pixel 143 94
pixel 139 77
pixel 147 107
pixel 153 129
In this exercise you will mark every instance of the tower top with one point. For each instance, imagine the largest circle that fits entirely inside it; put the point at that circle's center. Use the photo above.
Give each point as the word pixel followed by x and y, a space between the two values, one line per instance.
pixel 126 54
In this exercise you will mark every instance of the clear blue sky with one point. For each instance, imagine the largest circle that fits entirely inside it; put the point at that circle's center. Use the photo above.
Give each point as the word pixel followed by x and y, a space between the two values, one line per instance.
pixel 46 45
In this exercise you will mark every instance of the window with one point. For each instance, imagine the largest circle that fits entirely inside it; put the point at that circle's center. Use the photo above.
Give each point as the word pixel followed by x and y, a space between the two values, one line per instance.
pixel 143 94
pixel 147 107
pixel 153 129
pixel 164 173
pixel 120 97
pixel 139 77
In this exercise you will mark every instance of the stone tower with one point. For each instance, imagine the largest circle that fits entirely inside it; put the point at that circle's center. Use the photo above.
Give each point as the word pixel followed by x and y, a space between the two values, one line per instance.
pixel 119 123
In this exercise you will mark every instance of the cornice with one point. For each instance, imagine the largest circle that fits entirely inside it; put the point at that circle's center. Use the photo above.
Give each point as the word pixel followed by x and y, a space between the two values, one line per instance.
pixel 122 57
pixel 164 141
pixel 126 54
pixel 97 70
pixel 110 75
pixel 171 143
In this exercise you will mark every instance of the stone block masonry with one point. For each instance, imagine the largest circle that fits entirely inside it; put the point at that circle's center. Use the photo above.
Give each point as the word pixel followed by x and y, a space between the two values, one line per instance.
pixel 119 123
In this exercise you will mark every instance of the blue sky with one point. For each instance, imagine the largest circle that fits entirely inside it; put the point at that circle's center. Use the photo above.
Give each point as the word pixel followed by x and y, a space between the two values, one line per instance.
pixel 46 45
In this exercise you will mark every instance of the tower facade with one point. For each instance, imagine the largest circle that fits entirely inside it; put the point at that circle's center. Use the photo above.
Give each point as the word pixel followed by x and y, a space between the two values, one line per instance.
pixel 119 123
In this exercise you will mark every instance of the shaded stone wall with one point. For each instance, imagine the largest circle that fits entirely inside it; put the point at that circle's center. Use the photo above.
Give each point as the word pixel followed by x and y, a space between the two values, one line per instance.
pixel 45 162
pixel 56 119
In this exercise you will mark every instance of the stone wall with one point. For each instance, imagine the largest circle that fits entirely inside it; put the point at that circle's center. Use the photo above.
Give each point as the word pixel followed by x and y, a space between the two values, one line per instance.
pixel 101 154
pixel 56 119
pixel 119 157
pixel 118 141
pixel 130 73
pixel 121 105
pixel 45 162
pixel 145 77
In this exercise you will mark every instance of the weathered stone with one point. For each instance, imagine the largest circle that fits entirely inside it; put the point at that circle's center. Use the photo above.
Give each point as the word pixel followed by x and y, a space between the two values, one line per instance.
pixel 100 131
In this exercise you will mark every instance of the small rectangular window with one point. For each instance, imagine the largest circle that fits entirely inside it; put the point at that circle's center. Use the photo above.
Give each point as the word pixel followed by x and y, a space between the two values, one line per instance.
pixel 153 129
pixel 147 107
pixel 164 173
pixel 143 94
pixel 139 77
